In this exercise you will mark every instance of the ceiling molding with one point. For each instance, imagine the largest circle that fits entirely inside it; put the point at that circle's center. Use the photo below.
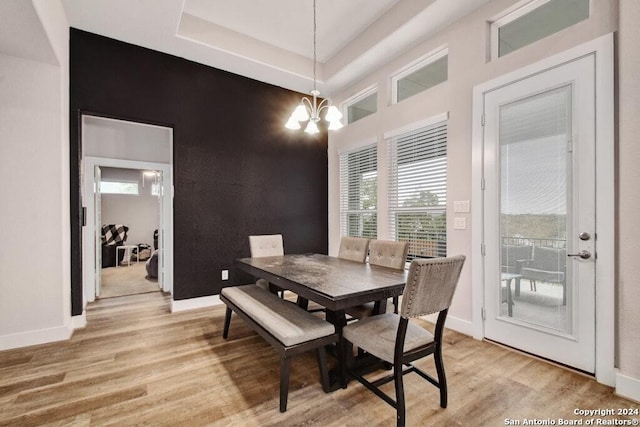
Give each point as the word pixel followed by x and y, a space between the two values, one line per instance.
pixel 394 27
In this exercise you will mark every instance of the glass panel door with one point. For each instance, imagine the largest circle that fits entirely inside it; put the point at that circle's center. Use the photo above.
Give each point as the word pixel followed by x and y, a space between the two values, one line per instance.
pixel 535 176
pixel 539 214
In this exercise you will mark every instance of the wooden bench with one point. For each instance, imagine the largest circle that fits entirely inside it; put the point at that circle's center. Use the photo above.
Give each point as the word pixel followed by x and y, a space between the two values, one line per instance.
pixel 287 327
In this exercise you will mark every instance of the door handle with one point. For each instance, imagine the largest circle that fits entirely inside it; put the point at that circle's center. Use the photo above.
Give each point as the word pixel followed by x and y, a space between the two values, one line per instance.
pixel 581 254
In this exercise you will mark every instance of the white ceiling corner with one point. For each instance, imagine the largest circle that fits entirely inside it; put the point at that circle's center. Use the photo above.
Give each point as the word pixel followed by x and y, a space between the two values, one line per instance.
pixel 22 34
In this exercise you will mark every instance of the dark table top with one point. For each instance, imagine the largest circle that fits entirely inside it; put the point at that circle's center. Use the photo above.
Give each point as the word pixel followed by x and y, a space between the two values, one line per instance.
pixel 332 282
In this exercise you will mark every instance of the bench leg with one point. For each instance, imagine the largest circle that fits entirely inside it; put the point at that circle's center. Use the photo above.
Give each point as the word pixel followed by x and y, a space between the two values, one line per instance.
pixel 322 367
pixel 285 368
pixel 227 322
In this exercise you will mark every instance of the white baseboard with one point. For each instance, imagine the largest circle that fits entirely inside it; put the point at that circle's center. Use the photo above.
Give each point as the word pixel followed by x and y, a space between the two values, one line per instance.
pixel 194 303
pixel 39 336
pixel 627 387
pixel 455 324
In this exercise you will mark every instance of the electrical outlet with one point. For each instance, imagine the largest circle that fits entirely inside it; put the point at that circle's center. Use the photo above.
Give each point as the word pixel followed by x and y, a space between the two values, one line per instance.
pixel 459 223
pixel 225 274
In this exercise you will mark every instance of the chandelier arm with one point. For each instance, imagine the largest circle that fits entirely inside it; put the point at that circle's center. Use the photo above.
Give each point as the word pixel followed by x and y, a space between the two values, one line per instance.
pixel 308 101
pixel 326 103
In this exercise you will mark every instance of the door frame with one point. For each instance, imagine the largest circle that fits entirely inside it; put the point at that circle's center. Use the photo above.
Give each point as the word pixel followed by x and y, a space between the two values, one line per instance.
pixel 603 50
pixel 88 251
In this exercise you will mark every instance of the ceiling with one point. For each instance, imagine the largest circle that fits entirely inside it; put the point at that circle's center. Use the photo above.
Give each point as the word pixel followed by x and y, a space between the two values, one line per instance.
pixel 272 40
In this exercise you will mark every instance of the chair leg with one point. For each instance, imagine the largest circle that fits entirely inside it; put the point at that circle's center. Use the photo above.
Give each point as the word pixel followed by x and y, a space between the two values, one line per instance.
pixel 285 368
pixel 442 379
pixel 400 406
pixel 322 367
pixel 396 300
pixel 227 322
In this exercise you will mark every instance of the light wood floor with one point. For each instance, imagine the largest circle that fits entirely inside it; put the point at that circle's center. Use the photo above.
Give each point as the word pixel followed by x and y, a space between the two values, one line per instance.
pixel 137 364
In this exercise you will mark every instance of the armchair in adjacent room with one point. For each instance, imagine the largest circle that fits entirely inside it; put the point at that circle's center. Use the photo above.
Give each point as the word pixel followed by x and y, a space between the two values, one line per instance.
pixel 113 235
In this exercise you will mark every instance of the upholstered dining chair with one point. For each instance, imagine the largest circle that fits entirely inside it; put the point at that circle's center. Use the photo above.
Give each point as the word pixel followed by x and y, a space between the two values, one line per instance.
pixel 353 248
pixel 264 246
pixel 394 339
pixel 383 253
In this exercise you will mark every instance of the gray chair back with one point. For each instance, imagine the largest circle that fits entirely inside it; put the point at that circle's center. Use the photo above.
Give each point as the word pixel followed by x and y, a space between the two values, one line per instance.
pixel 388 253
pixel 430 285
pixel 266 245
pixel 353 248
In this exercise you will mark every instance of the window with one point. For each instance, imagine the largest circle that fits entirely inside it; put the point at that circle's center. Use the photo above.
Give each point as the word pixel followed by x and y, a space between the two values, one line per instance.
pixel 361 105
pixel 424 74
pixel 116 187
pixel 418 190
pixel 359 192
pixel 535 20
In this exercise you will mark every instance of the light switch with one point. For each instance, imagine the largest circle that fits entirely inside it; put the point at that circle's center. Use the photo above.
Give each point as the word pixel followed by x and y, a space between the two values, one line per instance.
pixel 225 274
pixel 462 206
pixel 459 223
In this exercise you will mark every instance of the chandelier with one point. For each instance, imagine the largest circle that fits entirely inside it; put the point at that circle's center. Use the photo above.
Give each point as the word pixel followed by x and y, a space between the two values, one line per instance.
pixel 309 109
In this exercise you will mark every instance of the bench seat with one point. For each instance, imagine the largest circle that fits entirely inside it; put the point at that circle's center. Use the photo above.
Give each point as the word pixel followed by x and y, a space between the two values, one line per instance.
pixel 288 328
pixel 286 321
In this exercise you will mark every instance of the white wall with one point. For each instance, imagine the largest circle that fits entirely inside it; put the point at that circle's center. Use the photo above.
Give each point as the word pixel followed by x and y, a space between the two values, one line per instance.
pixel 34 188
pixel 139 213
pixel 628 335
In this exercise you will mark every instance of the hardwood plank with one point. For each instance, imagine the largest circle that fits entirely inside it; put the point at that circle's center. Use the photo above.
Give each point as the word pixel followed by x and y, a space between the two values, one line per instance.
pixel 137 364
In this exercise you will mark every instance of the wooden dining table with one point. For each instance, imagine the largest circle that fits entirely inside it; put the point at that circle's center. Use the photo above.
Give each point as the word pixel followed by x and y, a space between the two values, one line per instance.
pixel 331 282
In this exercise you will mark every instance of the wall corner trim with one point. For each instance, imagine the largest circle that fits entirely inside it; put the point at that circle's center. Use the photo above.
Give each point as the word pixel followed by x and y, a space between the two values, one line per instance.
pixel 194 303
pixel 79 321
pixel 627 387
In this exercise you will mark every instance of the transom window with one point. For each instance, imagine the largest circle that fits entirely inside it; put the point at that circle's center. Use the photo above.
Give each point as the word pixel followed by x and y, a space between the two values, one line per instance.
pixel 418 190
pixel 420 76
pixel 119 187
pixel 534 20
pixel 361 105
pixel 359 192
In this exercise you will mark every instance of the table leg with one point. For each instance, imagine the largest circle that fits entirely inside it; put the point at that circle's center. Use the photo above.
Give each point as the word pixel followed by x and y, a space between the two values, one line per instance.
pixel 380 307
pixel 338 375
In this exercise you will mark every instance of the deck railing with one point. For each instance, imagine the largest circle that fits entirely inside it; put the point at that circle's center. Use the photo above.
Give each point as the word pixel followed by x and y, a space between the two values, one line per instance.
pixel 529 241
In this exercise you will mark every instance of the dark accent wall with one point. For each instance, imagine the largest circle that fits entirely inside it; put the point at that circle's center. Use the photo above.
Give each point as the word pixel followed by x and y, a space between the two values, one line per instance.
pixel 237 170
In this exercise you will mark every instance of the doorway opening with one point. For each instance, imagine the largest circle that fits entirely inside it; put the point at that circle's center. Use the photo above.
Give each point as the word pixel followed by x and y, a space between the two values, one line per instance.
pixel 127 192
pixel 129 221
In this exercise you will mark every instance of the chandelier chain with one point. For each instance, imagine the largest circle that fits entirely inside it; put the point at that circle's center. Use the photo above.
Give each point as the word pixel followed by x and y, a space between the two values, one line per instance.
pixel 314 45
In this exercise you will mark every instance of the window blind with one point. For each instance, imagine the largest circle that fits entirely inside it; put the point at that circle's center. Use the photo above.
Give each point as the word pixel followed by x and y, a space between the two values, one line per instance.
pixel 418 190
pixel 359 192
